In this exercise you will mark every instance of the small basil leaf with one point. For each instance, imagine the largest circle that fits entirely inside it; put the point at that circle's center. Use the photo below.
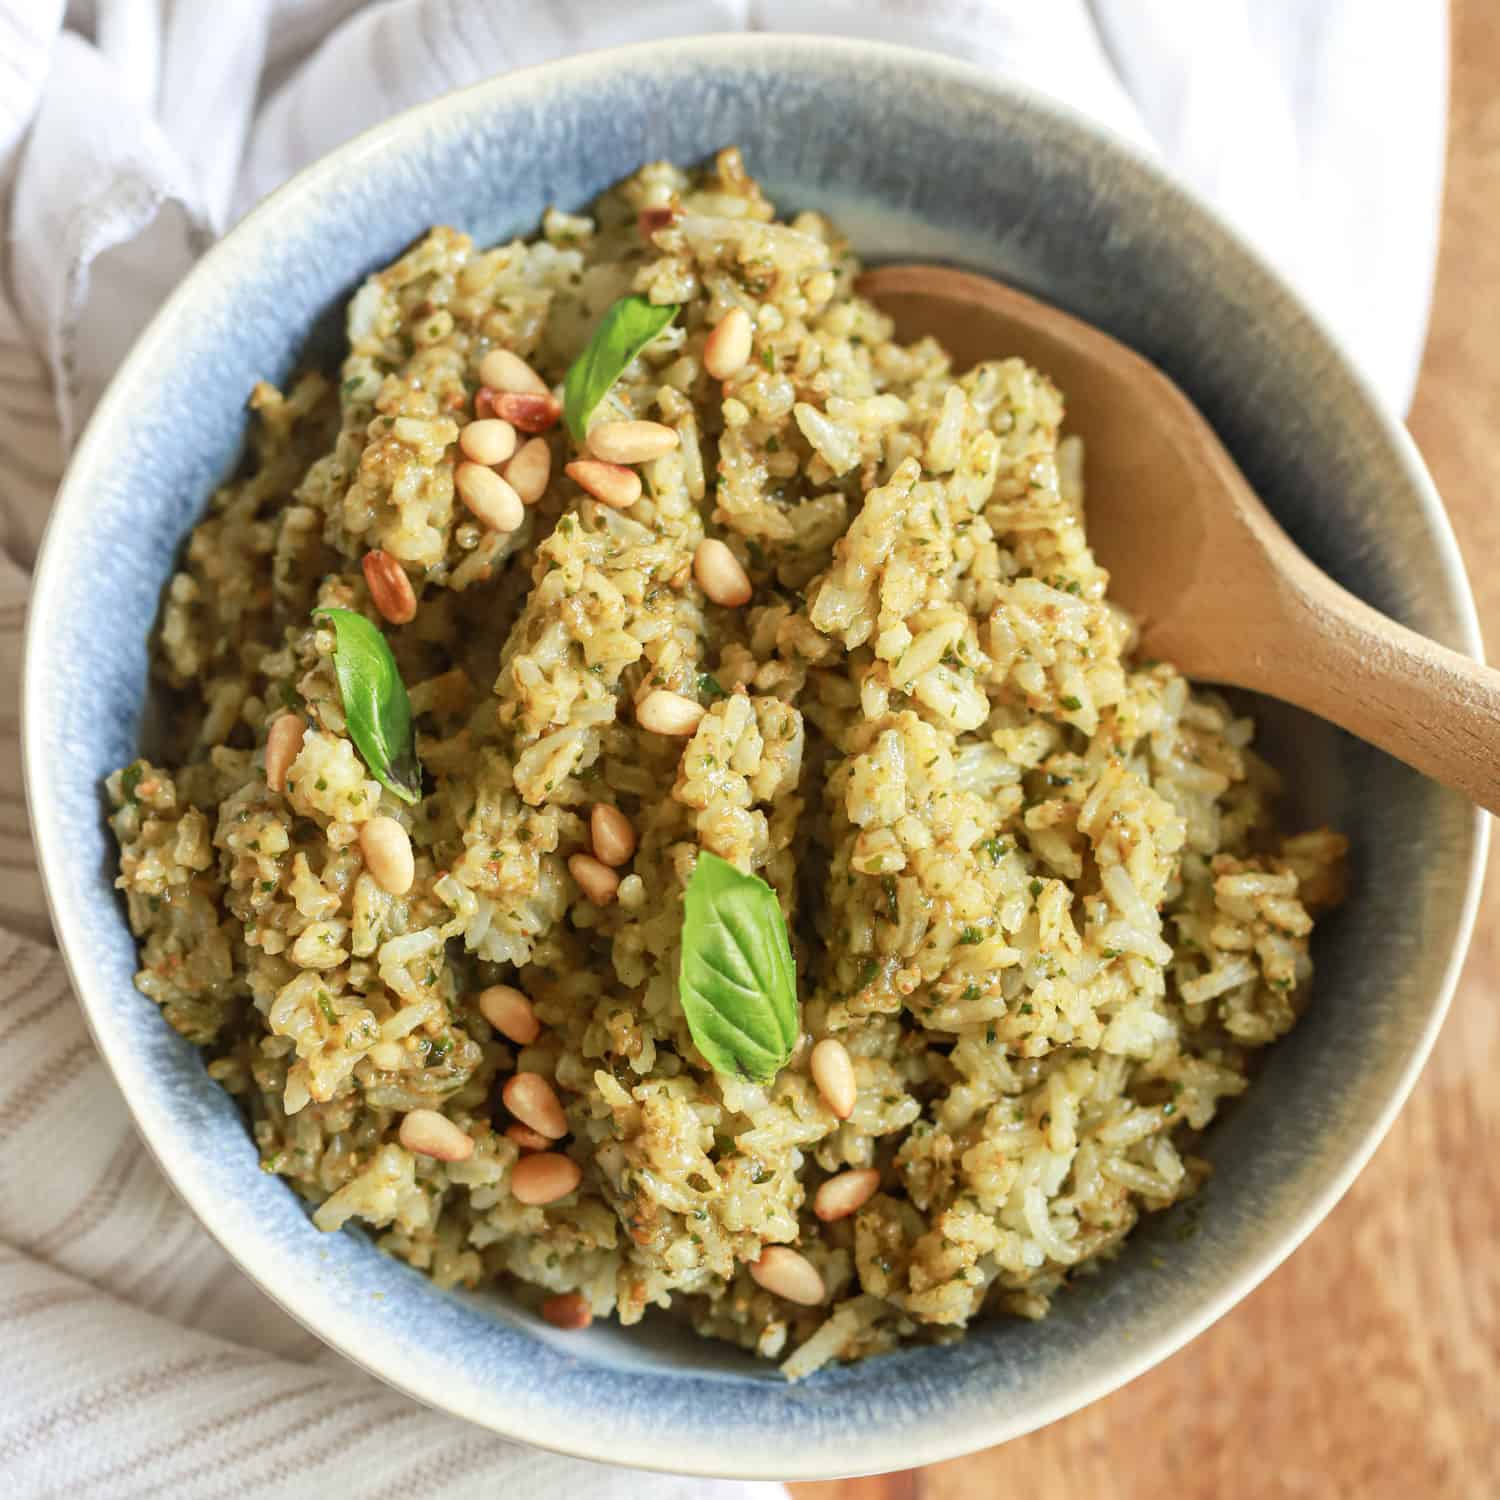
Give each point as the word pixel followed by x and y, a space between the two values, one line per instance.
pixel 130 779
pixel 626 329
pixel 737 981
pixel 376 707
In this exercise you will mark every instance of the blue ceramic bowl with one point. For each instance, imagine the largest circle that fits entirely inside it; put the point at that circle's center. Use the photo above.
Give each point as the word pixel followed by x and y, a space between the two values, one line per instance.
pixel 920 158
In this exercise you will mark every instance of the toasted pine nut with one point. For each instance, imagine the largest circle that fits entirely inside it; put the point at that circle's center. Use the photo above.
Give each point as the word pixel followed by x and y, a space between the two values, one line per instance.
pixel 484 403
pixel 569 1310
pixel 544 1177
pixel 611 484
pixel 490 498
pixel 386 846
pixel 784 1273
pixel 503 371
pixel 390 588
pixel 630 442
pixel 833 1072
pixel 510 1013
pixel 842 1195
pixel 283 746
pixel 612 835
pixel 428 1133
pixel 720 575
pixel 728 346
pixel 528 472
pixel 527 1138
pixel 534 1102
pixel 595 879
pixel 488 441
pixel 649 220
pixel 665 712
pixel 527 410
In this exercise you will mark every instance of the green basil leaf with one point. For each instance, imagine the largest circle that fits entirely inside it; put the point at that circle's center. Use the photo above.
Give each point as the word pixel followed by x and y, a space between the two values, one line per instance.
pixel 626 329
pixel 738 980
pixel 376 707
pixel 130 779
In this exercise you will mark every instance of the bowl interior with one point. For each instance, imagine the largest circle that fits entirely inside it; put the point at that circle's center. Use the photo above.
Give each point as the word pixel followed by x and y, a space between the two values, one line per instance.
pixel 917 158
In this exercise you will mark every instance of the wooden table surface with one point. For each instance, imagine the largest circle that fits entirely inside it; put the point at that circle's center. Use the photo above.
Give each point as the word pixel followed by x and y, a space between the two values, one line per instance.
pixel 1369 1365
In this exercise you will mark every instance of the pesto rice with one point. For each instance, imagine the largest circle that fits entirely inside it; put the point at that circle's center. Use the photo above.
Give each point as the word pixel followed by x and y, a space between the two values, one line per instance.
pixel 842 629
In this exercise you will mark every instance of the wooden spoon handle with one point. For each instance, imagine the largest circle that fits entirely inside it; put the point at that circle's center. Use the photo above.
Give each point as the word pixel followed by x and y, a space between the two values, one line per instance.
pixel 1431 707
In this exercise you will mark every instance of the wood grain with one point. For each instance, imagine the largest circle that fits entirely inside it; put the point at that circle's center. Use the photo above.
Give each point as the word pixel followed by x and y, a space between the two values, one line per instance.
pixel 1369 1365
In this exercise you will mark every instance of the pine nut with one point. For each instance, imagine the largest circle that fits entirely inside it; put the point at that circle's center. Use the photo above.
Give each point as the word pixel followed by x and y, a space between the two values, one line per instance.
pixel 664 712
pixel 488 441
pixel 386 846
pixel 720 575
pixel 843 1195
pixel 833 1072
pixel 534 1102
pixel 283 746
pixel 630 442
pixel 484 403
pixel 544 1177
pixel 510 1013
pixel 390 588
pixel 649 220
pixel 784 1273
pixel 612 834
pixel 428 1133
pixel 528 411
pixel 570 1310
pixel 611 484
pixel 595 879
pixel 528 472
pixel 503 371
pixel 728 346
pixel 490 498
pixel 527 1138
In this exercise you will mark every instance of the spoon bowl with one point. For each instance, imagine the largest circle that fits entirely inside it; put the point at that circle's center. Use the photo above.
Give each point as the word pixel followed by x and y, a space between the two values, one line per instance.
pixel 1214 583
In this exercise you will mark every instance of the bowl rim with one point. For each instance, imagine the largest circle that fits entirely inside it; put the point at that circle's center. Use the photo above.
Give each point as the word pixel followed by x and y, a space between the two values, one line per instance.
pixel 878 1451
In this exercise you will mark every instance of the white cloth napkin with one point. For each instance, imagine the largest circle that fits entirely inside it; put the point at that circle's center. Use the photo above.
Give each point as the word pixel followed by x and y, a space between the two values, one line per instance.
pixel 135 1360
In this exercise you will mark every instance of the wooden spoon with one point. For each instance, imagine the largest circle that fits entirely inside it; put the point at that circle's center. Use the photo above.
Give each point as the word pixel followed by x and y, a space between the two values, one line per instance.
pixel 1218 588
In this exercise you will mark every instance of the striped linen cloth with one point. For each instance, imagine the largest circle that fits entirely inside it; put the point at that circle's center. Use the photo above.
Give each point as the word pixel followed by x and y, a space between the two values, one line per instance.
pixel 134 1358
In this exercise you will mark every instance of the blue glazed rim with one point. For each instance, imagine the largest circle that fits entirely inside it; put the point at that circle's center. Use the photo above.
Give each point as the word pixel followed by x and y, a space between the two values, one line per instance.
pixel 701 1415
